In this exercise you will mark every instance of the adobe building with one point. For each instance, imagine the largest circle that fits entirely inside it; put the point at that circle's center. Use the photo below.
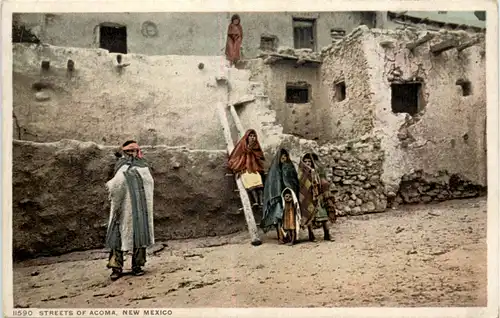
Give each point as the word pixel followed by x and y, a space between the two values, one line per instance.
pixel 397 117
pixel 198 34
pixel 204 34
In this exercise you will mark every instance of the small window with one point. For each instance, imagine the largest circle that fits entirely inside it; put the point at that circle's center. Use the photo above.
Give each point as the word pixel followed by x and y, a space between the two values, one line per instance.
pixel 406 97
pixel 340 91
pixel 113 38
pixel 303 33
pixel 297 93
pixel 267 43
pixel 466 87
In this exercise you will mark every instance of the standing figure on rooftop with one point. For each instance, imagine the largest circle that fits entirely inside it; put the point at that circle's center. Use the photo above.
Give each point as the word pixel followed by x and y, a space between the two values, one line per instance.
pixel 234 40
pixel 282 175
pixel 130 227
pixel 316 201
pixel 247 162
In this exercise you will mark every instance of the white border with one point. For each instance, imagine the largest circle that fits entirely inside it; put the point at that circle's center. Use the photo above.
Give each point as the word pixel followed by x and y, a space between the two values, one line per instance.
pixel 266 5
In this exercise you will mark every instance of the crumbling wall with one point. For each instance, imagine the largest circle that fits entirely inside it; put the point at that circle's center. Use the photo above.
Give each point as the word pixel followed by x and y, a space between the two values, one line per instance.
pixel 60 203
pixel 448 133
pixel 350 115
pixel 155 100
pixel 421 187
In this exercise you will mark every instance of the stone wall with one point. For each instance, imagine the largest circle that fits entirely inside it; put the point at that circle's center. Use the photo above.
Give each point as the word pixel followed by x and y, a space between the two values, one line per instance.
pixel 183 33
pixel 60 203
pixel 155 100
pixel 353 170
pixel 421 187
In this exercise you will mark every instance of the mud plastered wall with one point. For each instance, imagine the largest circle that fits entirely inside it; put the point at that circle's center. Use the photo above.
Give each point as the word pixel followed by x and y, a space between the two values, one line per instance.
pixel 177 33
pixel 299 119
pixel 345 108
pixel 448 133
pixel 155 100
pixel 60 203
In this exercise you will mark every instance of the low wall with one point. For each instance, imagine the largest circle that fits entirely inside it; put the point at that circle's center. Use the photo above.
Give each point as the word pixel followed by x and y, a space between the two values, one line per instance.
pixel 421 187
pixel 355 171
pixel 60 203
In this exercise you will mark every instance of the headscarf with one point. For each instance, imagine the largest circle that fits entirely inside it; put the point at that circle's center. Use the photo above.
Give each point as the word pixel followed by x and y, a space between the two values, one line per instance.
pixel 139 161
pixel 134 146
pixel 243 158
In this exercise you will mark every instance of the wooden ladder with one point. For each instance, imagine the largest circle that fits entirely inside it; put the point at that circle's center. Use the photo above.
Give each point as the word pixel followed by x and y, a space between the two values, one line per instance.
pixel 245 200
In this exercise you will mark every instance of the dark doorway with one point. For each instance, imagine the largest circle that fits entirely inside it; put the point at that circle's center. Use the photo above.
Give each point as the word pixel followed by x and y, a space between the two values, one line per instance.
pixel 406 98
pixel 113 38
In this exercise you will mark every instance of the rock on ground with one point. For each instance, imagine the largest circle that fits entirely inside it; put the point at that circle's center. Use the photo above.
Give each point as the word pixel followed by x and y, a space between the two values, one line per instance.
pixel 424 256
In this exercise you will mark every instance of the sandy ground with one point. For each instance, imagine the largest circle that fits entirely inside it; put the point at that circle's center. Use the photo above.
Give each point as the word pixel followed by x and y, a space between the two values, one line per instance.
pixel 433 255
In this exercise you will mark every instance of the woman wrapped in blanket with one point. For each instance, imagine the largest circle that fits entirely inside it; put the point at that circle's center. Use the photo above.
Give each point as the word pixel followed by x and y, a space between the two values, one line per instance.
pixel 282 175
pixel 316 201
pixel 130 226
pixel 246 161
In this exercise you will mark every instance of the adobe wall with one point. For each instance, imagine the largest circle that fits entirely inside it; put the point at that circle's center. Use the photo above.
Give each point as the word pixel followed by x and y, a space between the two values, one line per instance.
pixel 60 203
pixel 352 117
pixel 156 100
pixel 182 33
pixel 301 120
pixel 448 134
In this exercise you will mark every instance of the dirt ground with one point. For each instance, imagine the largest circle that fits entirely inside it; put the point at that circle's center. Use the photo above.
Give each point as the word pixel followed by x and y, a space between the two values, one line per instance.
pixel 432 255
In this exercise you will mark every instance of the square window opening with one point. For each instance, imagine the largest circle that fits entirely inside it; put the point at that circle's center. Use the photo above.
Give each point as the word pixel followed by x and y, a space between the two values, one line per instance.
pixel 406 98
pixel 113 39
pixel 340 91
pixel 267 43
pixel 297 94
pixel 466 87
pixel 303 33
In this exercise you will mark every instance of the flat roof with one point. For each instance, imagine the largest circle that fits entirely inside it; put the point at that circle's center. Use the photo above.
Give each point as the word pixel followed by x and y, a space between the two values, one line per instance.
pixel 452 17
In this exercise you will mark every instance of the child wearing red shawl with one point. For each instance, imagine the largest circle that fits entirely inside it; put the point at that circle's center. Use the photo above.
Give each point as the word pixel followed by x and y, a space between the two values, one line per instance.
pixel 246 160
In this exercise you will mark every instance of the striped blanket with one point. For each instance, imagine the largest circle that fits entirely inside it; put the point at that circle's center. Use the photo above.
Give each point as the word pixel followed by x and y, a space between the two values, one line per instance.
pixel 131 195
pixel 316 201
